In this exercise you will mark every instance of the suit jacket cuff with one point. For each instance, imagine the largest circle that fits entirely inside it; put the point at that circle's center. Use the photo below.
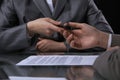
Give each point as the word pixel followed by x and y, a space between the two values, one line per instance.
pixel 115 40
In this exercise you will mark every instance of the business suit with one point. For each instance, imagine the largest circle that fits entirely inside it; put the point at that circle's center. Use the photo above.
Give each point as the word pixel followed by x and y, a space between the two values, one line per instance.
pixel 107 65
pixel 15 14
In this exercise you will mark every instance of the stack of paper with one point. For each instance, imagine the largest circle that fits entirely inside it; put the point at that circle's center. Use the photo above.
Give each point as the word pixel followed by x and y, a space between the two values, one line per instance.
pixel 61 60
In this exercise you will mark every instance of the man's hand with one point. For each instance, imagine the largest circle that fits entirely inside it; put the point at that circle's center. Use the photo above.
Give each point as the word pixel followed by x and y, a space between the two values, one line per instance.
pixel 85 36
pixel 46 45
pixel 45 26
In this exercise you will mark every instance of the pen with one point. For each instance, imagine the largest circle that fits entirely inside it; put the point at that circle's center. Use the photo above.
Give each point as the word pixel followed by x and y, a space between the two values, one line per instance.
pixel 67 27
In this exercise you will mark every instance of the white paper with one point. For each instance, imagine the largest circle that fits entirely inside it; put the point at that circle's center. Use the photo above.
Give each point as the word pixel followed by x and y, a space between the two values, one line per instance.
pixel 35 78
pixel 58 60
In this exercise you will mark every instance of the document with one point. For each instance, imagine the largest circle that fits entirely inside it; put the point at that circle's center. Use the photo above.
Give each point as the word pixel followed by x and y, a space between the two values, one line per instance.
pixel 35 78
pixel 58 60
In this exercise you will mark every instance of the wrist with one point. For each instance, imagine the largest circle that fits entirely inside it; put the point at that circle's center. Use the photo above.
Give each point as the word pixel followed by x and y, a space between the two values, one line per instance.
pixel 30 28
pixel 62 46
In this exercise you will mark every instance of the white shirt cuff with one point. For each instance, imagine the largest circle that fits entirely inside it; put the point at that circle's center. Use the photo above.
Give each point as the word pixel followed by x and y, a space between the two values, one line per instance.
pixel 109 41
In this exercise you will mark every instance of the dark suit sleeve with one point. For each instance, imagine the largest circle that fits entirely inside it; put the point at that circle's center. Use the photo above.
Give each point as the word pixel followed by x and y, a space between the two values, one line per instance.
pixel 96 18
pixel 108 65
pixel 115 40
pixel 13 36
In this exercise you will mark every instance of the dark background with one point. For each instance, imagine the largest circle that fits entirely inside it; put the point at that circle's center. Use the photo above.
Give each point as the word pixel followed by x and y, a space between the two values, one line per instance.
pixel 110 9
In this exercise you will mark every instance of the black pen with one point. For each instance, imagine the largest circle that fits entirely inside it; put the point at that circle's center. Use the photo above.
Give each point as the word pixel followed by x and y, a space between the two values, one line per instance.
pixel 62 25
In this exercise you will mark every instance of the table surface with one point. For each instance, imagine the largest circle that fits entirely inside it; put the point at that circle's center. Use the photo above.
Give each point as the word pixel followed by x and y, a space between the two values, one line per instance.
pixel 37 71
pixel 44 71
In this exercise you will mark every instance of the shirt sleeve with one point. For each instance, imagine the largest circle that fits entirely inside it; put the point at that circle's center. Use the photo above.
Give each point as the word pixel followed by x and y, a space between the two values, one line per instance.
pixel 109 40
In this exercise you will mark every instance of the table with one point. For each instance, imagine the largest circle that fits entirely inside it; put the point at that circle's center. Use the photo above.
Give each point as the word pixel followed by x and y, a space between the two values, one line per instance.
pixel 37 71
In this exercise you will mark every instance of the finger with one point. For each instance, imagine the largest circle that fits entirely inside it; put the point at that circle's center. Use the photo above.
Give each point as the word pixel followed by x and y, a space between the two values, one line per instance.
pixel 66 34
pixel 55 25
pixel 40 39
pixel 77 33
pixel 72 44
pixel 65 24
pixel 75 25
pixel 39 45
pixel 42 46
pixel 42 49
pixel 75 45
pixel 78 46
pixel 62 31
pixel 53 21
pixel 49 32
pixel 55 28
pixel 69 39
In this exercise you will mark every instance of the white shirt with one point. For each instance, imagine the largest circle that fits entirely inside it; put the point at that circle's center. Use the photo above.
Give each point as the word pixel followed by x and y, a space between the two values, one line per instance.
pixel 50 4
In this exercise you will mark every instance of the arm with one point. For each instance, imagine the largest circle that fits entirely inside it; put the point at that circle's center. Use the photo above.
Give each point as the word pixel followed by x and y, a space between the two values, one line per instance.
pixel 108 65
pixel 11 35
pixel 95 18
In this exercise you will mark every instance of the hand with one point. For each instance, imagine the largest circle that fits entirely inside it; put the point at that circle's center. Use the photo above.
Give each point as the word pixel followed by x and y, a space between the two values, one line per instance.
pixel 85 37
pixel 44 26
pixel 46 45
pixel 80 73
